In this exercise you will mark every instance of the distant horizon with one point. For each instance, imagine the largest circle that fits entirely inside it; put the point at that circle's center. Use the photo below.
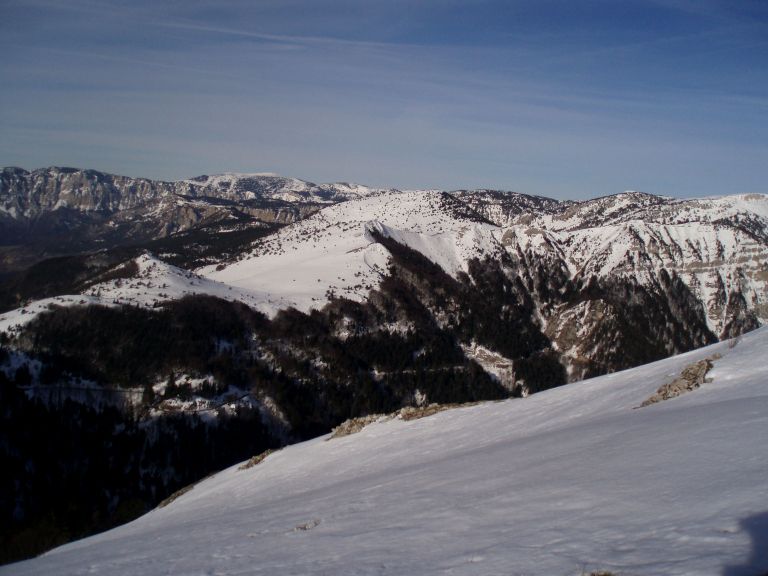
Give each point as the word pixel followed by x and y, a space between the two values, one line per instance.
pixel 559 98
pixel 378 186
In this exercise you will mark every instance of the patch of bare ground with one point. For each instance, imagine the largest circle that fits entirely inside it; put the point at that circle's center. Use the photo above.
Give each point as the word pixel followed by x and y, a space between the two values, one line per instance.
pixel 307 526
pixel 354 425
pixel 416 412
pixel 175 495
pixel 182 491
pixel 691 378
pixel 258 459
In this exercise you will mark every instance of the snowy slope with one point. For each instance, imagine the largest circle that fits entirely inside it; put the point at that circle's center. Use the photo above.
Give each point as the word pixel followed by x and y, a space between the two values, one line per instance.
pixel 154 282
pixel 567 481
pixel 334 251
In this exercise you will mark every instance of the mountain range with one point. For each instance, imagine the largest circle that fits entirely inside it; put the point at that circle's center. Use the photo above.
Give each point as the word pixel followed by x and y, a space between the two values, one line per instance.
pixel 698 267
pixel 57 211
pixel 253 311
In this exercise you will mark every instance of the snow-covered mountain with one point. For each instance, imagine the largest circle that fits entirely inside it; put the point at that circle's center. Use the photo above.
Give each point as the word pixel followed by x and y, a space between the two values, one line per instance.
pixel 591 275
pixel 576 480
pixel 335 251
pixel 295 306
pixel 28 195
pixel 269 186
pixel 718 247
pixel 54 211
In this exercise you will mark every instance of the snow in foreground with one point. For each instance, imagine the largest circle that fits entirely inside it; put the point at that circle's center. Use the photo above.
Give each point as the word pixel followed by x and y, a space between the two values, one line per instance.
pixel 570 480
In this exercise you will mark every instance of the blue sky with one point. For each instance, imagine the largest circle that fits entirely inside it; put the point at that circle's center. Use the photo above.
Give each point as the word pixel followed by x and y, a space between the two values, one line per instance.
pixel 563 98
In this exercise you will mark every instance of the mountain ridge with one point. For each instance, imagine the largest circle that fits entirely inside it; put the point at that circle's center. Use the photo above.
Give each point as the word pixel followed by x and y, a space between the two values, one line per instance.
pixel 47 189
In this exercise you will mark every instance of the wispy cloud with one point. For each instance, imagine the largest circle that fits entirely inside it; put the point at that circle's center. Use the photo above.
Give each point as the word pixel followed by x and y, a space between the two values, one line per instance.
pixel 142 62
pixel 543 97
pixel 72 6
pixel 303 40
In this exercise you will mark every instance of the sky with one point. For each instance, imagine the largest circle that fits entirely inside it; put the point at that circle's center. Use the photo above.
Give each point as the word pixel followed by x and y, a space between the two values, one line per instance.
pixel 561 98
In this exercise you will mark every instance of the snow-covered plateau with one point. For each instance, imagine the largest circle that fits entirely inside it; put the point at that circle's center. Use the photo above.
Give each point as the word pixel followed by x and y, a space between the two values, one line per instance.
pixel 573 480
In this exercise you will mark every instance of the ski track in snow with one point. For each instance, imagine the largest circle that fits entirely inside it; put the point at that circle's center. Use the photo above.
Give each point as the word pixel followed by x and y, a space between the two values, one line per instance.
pixel 569 480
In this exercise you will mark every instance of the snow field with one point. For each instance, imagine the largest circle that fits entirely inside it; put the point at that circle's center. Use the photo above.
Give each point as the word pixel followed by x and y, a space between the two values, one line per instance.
pixel 333 251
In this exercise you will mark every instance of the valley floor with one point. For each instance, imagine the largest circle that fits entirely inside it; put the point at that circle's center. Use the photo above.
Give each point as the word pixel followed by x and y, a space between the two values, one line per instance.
pixel 568 481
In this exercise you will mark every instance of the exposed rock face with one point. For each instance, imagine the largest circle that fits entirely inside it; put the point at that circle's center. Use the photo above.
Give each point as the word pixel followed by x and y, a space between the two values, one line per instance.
pixel 715 249
pixel 27 195
pixel 30 194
